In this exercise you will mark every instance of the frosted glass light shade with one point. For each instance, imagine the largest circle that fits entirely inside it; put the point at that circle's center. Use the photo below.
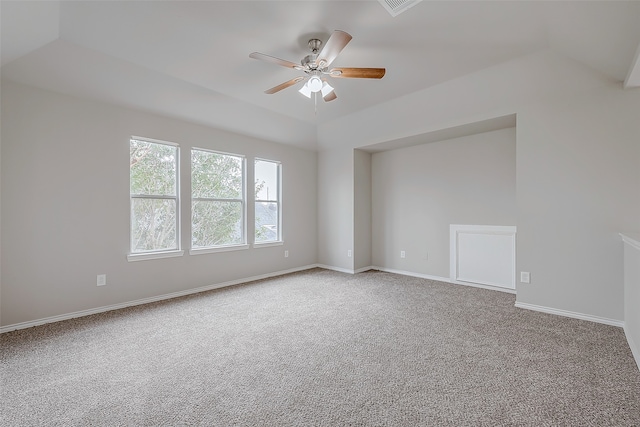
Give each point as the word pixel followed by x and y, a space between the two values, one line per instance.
pixel 326 89
pixel 305 90
pixel 314 84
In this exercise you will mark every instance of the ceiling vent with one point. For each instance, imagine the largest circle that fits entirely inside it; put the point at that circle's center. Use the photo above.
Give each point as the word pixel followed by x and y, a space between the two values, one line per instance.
pixel 396 7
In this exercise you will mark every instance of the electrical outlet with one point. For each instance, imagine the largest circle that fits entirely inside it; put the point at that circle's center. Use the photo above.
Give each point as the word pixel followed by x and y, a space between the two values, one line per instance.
pixel 102 280
pixel 402 254
pixel 349 253
pixel 286 254
pixel 525 277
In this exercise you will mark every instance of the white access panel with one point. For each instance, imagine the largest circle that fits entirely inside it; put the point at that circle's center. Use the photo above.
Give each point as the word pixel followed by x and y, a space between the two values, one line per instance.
pixel 485 255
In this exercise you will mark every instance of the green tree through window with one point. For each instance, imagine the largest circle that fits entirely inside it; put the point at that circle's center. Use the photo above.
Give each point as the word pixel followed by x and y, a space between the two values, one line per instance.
pixel 153 173
pixel 218 205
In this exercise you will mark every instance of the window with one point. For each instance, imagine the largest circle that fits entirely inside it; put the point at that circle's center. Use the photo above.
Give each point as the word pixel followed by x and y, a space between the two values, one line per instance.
pixel 268 212
pixel 218 200
pixel 153 189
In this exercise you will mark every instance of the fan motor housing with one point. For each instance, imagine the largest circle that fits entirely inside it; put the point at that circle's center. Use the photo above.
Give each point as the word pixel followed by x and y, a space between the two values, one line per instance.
pixel 309 61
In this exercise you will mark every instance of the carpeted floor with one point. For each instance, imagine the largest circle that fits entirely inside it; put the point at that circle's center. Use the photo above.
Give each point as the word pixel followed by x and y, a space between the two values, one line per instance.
pixel 321 348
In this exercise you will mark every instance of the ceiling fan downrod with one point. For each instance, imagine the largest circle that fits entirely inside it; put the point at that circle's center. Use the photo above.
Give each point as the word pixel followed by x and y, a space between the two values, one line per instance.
pixel 314 45
pixel 309 61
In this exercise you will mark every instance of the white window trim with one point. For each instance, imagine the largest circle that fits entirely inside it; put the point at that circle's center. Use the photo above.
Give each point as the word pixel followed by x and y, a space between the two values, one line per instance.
pixel 143 256
pixel 258 245
pixel 169 253
pixel 222 248
pixel 154 141
pixel 214 249
pixel 280 239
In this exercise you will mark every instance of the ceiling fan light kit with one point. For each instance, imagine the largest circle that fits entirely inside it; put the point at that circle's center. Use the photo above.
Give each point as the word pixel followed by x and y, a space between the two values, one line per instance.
pixel 311 87
pixel 326 89
pixel 305 90
pixel 316 66
pixel 314 83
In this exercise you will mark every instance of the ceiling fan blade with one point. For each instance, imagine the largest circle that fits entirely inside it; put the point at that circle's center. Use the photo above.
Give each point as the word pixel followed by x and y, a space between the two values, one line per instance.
pixel 283 85
pixel 332 48
pixel 358 73
pixel 330 96
pixel 274 60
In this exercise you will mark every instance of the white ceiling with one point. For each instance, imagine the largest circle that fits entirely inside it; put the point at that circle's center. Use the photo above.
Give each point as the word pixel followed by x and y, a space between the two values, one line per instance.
pixel 190 59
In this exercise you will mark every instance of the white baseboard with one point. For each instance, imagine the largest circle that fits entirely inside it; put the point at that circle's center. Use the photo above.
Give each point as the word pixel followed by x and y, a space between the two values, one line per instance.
pixel 97 310
pixel 412 274
pixel 346 270
pixel 489 287
pixel 444 279
pixel 339 269
pixel 635 350
pixel 572 314
pixel 3 329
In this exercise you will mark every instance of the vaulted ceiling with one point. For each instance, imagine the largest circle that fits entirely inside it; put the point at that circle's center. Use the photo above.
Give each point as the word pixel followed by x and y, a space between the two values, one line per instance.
pixel 190 59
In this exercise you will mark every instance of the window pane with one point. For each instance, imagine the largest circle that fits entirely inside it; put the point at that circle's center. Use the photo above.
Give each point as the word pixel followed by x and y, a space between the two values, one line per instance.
pixel 266 180
pixel 266 222
pixel 153 225
pixel 153 168
pixel 215 176
pixel 216 223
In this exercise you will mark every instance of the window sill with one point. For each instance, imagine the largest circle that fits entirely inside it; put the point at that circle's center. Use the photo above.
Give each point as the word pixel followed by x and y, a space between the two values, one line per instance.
pixel 202 251
pixel 153 255
pixel 267 244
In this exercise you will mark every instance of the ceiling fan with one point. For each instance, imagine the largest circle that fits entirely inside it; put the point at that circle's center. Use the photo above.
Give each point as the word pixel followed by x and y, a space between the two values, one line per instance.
pixel 316 67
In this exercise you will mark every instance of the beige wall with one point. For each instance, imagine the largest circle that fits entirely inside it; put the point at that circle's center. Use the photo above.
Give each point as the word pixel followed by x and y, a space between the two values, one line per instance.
pixel 65 207
pixel 577 174
pixel 335 208
pixel 578 180
pixel 362 210
pixel 64 182
pixel 419 191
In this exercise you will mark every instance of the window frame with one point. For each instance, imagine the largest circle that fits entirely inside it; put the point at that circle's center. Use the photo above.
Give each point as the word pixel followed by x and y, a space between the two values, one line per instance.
pixel 243 203
pixel 159 253
pixel 279 240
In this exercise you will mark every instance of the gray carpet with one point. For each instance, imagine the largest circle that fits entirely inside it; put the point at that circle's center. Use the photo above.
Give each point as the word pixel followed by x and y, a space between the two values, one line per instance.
pixel 320 348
